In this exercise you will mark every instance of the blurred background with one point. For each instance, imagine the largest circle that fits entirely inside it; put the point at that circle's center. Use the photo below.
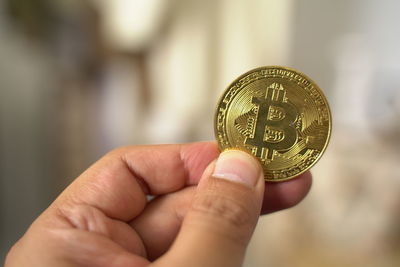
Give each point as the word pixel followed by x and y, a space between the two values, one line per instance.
pixel 79 78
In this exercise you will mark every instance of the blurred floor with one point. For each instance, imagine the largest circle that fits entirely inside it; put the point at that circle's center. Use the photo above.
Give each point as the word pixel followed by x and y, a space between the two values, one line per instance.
pixel 108 73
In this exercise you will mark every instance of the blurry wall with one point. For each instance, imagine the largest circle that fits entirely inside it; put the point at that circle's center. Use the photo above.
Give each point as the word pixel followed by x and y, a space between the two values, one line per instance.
pixel 79 78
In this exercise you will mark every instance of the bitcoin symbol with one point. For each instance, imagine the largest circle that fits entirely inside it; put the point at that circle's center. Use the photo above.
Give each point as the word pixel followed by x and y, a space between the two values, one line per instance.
pixel 274 127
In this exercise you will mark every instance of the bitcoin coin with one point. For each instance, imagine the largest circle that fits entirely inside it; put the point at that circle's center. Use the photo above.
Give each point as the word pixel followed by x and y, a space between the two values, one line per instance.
pixel 278 115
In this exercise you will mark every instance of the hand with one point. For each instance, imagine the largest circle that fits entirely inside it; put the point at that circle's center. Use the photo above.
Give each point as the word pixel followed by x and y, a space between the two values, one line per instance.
pixel 104 218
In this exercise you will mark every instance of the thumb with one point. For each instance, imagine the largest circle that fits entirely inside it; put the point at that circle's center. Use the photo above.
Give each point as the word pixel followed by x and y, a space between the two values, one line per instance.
pixel 223 215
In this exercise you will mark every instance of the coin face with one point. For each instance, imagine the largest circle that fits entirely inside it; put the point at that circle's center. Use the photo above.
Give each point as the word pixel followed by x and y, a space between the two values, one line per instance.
pixel 277 114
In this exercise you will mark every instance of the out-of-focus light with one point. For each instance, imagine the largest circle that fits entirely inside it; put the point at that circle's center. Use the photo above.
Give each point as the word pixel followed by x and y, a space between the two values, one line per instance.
pixel 131 24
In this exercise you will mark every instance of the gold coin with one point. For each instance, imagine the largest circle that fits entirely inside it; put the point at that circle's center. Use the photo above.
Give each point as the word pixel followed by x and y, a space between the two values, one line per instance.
pixel 277 114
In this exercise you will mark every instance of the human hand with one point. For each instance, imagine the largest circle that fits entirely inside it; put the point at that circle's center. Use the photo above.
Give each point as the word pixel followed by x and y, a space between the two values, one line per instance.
pixel 104 219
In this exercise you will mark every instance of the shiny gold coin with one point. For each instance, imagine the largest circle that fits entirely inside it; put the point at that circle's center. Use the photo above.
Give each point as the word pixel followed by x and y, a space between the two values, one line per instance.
pixel 277 114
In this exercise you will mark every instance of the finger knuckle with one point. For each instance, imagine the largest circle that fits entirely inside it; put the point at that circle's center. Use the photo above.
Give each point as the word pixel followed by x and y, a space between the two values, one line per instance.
pixel 118 151
pixel 85 217
pixel 223 208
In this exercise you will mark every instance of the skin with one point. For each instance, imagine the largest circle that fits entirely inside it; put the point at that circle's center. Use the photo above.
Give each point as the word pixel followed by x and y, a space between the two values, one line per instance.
pixel 104 218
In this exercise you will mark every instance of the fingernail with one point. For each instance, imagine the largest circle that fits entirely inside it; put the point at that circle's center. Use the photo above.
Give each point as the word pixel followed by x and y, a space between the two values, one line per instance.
pixel 237 166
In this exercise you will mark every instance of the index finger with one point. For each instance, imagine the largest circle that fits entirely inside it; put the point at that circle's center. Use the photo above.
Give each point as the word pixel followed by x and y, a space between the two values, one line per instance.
pixel 118 183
